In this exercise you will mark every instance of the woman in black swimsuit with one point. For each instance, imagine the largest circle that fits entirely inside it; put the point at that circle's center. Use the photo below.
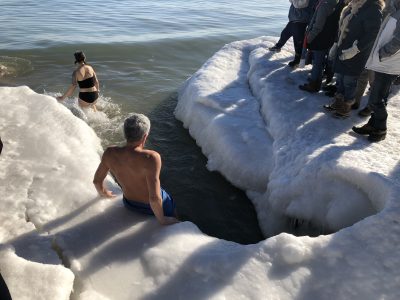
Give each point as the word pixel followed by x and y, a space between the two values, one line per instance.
pixel 86 78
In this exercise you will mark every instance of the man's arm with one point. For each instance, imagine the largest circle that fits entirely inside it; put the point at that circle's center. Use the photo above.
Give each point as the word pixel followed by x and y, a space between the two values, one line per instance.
pixel 100 175
pixel 153 167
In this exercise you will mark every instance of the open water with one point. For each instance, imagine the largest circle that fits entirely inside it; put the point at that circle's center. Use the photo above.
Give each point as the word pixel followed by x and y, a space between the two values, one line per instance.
pixel 142 52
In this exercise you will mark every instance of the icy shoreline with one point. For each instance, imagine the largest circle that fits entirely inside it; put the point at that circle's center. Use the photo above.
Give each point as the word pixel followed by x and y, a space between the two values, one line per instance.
pixel 265 136
pixel 284 140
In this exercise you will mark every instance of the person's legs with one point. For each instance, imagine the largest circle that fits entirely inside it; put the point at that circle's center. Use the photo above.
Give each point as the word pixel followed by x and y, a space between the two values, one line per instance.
pixel 298 33
pixel 378 99
pixel 349 84
pixel 286 34
pixel 339 84
pixel 362 83
pixel 377 124
pixel 319 59
pixel 338 98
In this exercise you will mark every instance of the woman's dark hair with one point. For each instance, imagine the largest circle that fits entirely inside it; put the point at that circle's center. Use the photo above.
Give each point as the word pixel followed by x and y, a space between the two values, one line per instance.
pixel 79 56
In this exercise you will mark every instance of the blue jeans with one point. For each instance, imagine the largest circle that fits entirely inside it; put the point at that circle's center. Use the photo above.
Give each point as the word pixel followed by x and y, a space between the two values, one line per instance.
pixel 346 85
pixel 378 99
pixel 318 64
pixel 297 31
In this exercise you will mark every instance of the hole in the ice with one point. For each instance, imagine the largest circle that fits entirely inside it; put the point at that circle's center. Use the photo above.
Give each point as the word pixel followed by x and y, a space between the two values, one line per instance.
pixel 331 208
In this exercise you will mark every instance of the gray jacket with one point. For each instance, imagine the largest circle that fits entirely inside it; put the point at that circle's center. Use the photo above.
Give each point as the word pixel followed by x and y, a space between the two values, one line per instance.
pixel 323 10
pixel 301 11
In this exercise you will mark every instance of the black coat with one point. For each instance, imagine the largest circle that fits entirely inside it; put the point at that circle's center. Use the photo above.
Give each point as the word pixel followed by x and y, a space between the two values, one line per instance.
pixel 325 39
pixel 364 27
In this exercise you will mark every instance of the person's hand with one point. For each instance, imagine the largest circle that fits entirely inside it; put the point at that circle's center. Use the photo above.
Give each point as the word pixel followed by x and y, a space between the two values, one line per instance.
pixel 107 194
pixel 350 52
pixel 169 221
pixel 60 98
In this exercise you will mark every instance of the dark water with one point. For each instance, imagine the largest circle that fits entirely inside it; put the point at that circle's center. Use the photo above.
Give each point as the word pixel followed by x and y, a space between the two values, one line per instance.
pixel 142 52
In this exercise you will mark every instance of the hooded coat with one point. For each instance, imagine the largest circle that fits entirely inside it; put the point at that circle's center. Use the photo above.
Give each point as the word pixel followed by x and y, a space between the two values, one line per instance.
pixel 360 21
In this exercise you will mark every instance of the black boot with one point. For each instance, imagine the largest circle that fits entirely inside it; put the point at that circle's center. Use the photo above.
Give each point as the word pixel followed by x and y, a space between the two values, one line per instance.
pixel 374 135
pixel 377 136
pixel 295 62
pixel 366 129
pixel 311 87
pixel 275 48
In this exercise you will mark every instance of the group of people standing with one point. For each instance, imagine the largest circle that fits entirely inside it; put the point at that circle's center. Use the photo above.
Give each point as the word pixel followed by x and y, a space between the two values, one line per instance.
pixel 354 41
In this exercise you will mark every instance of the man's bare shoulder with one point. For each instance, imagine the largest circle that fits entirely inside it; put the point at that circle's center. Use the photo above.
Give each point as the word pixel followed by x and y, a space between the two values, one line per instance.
pixel 112 149
pixel 151 155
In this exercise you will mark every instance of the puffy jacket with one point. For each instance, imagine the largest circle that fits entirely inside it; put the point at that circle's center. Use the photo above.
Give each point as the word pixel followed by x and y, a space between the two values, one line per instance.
pixel 385 55
pixel 363 28
pixel 301 11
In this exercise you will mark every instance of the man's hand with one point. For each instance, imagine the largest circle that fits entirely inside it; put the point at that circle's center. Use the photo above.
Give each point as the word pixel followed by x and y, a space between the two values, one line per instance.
pixel 169 221
pixel 351 52
pixel 107 193
pixel 60 98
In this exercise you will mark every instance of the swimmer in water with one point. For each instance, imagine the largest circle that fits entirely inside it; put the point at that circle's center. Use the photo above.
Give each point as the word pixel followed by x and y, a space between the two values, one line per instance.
pixel 86 78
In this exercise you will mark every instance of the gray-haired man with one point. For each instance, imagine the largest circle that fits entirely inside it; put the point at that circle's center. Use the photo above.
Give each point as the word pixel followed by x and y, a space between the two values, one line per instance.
pixel 137 171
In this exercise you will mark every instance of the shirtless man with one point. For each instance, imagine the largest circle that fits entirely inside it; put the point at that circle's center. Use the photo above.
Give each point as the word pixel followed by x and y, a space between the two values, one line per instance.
pixel 137 171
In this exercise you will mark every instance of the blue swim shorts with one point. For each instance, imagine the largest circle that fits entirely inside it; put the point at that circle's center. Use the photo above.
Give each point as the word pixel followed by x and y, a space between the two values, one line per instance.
pixel 144 208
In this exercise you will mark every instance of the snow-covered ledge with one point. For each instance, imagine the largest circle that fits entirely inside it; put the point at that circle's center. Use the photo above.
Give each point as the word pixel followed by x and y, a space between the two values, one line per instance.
pixel 266 136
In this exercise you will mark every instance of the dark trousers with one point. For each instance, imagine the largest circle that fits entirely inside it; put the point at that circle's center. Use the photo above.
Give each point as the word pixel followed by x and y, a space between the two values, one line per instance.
pixel 378 99
pixel 297 31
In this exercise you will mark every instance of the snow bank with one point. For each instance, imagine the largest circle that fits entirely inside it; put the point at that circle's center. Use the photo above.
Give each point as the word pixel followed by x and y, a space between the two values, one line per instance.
pixel 296 161
pixel 28 280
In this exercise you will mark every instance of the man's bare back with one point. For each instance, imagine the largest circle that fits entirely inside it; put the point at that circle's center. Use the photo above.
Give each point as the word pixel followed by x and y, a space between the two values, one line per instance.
pixel 131 167
pixel 136 169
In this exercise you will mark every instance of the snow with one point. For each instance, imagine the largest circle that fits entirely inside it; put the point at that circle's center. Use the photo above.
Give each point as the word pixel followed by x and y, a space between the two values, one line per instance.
pixel 297 164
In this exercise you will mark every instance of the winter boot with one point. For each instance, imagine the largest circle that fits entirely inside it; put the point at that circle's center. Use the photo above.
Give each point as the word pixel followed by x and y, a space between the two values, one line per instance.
pixel 295 62
pixel 365 112
pixel 376 136
pixel 366 129
pixel 274 48
pixel 311 87
pixel 336 103
pixel 344 109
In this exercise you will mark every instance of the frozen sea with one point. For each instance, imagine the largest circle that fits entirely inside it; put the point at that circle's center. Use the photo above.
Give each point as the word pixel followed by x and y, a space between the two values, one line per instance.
pixel 239 114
